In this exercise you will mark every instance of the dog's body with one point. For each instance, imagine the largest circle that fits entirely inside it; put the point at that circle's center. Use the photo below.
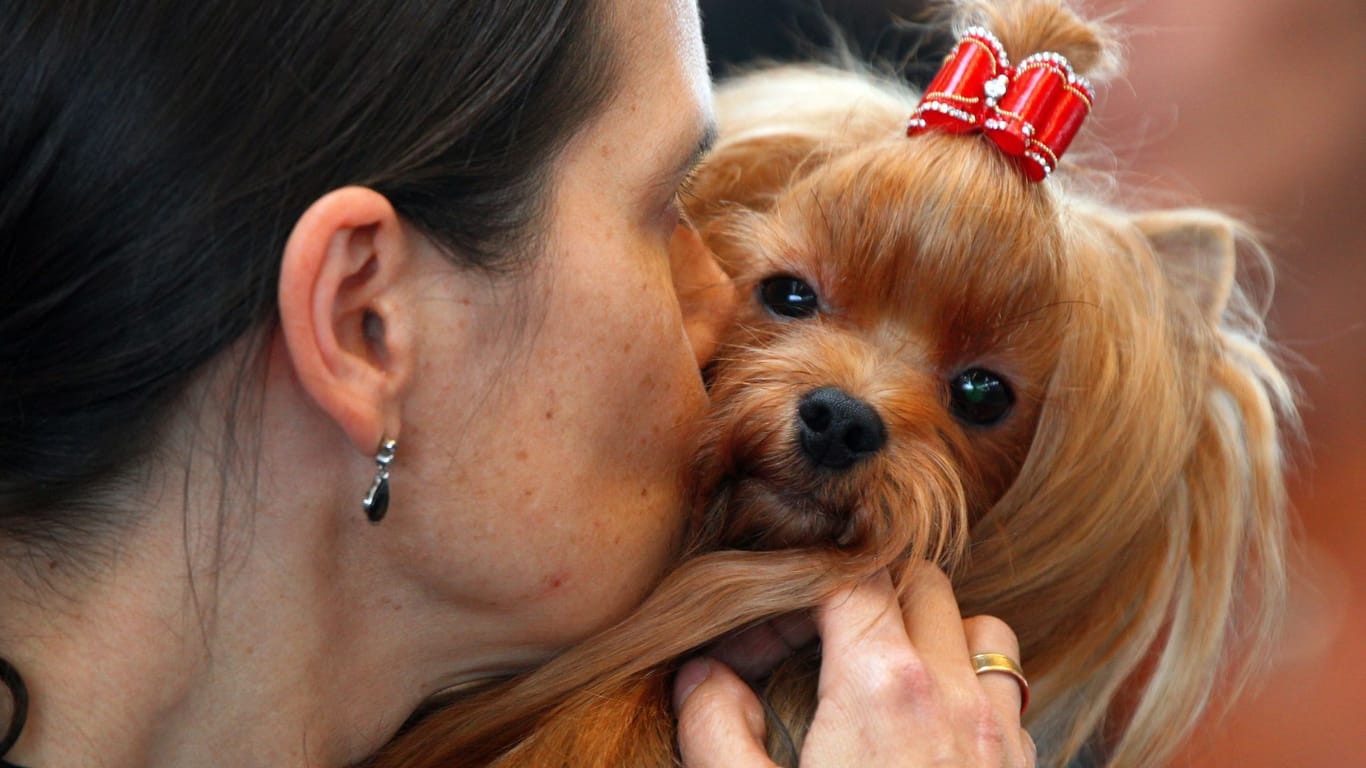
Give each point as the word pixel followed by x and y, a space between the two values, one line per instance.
pixel 1070 407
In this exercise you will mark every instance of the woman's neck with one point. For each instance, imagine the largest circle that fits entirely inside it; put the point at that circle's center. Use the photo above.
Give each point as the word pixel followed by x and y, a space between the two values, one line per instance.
pixel 259 661
pixel 274 628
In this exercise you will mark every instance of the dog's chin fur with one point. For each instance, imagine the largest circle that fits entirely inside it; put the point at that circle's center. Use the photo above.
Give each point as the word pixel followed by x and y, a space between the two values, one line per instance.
pixel 1125 517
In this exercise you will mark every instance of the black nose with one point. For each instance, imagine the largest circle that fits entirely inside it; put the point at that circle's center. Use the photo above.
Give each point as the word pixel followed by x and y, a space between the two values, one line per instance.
pixel 836 429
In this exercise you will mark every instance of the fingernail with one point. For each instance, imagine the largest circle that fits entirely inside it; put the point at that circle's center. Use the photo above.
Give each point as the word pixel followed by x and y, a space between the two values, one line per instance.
pixel 688 678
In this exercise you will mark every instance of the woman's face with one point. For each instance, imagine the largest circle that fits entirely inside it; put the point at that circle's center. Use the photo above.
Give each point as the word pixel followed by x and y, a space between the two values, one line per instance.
pixel 557 419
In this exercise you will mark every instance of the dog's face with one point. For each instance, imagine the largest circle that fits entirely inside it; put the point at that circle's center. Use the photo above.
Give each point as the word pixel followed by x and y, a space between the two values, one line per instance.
pixel 899 323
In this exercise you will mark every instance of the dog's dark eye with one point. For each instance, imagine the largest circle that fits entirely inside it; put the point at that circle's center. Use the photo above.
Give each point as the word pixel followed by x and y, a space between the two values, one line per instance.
pixel 787 296
pixel 980 397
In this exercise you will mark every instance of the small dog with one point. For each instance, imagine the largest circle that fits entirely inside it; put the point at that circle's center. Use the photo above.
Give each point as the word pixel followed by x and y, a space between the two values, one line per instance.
pixel 1070 407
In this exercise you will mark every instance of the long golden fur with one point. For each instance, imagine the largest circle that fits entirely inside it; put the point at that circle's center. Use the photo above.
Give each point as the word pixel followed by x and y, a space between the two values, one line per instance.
pixel 1126 518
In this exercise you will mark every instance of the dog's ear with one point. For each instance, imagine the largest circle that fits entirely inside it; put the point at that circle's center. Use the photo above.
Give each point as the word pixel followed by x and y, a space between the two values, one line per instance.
pixel 780 122
pixel 749 172
pixel 1198 253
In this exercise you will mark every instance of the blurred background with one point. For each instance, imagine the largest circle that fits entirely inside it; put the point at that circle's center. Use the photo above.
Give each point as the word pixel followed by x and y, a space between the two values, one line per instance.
pixel 1255 107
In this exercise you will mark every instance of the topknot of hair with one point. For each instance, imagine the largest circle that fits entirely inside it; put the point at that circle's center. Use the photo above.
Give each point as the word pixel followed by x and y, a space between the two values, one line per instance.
pixel 1026 27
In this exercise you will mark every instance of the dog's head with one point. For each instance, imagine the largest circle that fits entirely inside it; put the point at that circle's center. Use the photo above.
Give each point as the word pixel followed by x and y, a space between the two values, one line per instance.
pixel 1070 406
pixel 903 307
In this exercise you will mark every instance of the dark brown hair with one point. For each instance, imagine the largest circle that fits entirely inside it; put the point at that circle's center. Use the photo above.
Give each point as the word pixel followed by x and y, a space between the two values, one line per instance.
pixel 155 154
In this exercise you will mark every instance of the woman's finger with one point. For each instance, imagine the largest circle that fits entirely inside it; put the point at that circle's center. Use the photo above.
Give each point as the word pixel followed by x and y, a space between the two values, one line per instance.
pixel 861 630
pixel 1031 750
pixel 897 685
pixel 878 701
pixel 720 722
pixel 754 652
pixel 988 634
pixel 932 619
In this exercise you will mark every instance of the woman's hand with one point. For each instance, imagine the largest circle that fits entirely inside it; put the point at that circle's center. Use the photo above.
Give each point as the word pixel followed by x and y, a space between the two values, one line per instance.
pixel 897 688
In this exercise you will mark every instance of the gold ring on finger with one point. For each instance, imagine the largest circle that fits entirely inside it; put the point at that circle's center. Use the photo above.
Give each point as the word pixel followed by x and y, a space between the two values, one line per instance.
pixel 999 662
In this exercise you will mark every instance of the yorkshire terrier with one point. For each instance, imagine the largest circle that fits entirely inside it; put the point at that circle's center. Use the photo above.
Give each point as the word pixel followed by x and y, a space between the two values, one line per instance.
pixel 951 347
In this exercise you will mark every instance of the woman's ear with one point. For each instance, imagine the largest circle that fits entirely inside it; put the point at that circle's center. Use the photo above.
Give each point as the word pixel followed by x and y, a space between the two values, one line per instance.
pixel 348 335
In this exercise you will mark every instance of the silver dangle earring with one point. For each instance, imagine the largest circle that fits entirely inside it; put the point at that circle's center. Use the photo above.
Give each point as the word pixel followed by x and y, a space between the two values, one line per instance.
pixel 376 502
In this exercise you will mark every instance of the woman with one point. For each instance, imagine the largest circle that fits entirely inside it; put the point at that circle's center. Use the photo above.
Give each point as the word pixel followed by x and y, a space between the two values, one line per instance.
pixel 263 261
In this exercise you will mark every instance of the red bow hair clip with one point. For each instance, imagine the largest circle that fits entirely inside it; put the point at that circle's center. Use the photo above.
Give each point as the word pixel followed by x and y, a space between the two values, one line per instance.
pixel 1032 111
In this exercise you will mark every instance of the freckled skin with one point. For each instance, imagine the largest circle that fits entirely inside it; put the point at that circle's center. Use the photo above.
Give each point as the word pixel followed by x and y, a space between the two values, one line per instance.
pixel 558 494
